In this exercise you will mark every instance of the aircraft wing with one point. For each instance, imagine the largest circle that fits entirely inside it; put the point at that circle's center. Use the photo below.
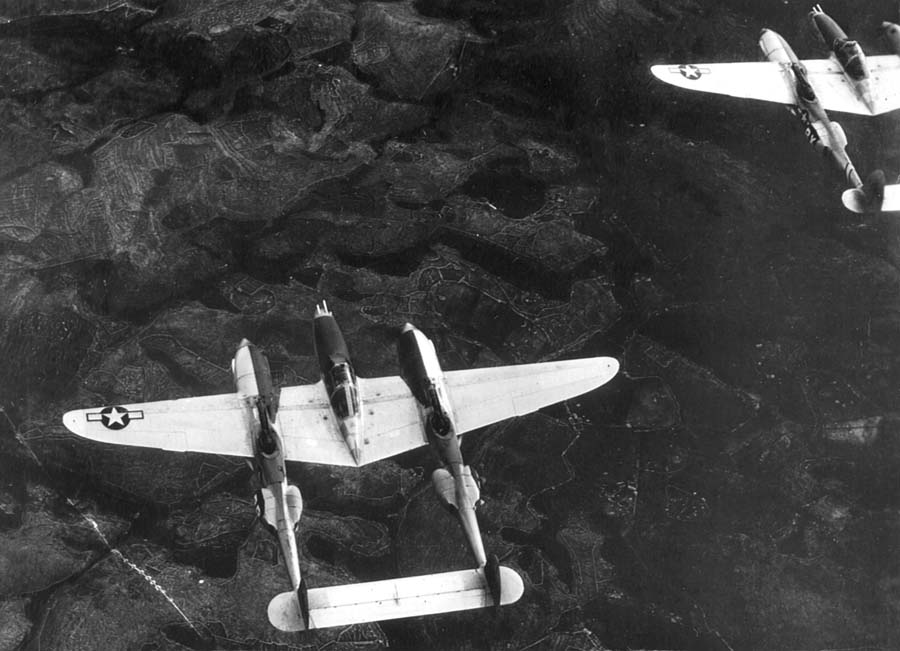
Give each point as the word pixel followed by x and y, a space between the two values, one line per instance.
pixel 762 80
pixel 835 94
pixel 391 420
pixel 213 424
pixel 220 424
pixel 487 395
pixel 311 433
pixel 766 81
pixel 309 430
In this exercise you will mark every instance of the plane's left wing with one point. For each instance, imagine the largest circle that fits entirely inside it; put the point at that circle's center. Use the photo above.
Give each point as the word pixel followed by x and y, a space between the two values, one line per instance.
pixel 214 424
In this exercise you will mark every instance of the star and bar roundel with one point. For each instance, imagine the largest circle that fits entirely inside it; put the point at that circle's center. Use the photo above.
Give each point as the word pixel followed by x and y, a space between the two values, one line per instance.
pixel 115 417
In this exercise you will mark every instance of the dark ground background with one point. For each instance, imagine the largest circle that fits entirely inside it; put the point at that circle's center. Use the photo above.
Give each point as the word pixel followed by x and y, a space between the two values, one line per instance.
pixel 506 174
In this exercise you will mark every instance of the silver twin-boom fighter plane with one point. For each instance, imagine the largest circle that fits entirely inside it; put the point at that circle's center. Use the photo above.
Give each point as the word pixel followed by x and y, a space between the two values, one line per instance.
pixel 346 420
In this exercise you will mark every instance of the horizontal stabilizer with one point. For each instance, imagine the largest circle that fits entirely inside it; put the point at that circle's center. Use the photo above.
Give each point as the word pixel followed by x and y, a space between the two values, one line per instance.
pixel 412 596
pixel 856 200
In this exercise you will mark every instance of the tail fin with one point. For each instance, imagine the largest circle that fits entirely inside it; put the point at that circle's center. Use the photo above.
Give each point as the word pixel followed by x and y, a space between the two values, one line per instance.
pixel 874 196
pixel 874 189
pixel 492 576
pixel 289 611
pixel 303 600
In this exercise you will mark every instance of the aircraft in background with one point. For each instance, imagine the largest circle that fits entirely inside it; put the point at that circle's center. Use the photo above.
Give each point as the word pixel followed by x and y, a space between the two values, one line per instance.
pixel 350 421
pixel 847 82
pixel 881 197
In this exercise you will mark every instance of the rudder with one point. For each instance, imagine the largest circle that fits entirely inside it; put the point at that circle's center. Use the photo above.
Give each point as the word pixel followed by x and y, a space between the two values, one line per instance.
pixel 284 613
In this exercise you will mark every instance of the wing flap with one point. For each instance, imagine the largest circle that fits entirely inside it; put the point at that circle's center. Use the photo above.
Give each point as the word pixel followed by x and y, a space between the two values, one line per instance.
pixel 391 423
pixel 309 429
pixel 391 419
pixel 884 70
pixel 488 395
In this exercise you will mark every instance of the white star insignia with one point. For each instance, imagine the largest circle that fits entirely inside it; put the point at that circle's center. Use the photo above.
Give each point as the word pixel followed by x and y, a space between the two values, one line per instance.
pixel 116 417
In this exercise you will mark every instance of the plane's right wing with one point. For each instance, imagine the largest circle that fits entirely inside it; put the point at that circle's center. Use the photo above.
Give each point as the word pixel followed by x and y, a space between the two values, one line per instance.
pixel 483 396
pixel 835 94
pixel 762 80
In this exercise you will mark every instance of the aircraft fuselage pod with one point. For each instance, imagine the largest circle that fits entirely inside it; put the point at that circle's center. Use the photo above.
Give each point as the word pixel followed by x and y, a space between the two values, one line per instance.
pixel 341 383
pixel 847 54
pixel 454 483
pixel 279 503
pixel 826 136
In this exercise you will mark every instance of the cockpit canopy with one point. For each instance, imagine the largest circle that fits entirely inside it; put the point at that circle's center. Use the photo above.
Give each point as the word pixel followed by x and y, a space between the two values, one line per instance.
pixel 851 57
pixel 342 392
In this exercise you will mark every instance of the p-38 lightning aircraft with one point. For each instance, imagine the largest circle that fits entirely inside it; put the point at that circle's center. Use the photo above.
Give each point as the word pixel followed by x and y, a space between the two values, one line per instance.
pixel 349 421
pixel 846 82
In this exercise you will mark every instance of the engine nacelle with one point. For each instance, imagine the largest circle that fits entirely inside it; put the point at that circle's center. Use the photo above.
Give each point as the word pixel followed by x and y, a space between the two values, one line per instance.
pixel 419 366
pixel 420 369
pixel 252 376
pixel 776 49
